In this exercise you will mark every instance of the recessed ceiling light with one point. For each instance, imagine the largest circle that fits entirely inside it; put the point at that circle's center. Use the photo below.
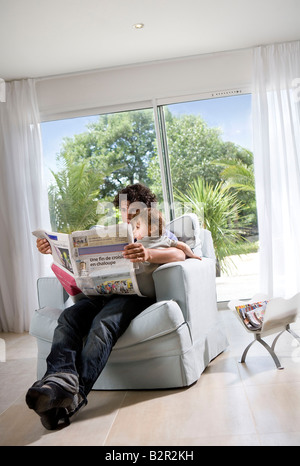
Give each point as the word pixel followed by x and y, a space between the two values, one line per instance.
pixel 138 26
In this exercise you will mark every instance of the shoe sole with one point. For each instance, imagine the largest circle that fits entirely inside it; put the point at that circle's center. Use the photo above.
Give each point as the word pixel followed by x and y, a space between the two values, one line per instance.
pixel 51 419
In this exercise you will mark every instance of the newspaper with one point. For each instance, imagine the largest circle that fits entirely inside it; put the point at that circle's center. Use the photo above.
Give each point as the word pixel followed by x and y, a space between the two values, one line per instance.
pixel 90 262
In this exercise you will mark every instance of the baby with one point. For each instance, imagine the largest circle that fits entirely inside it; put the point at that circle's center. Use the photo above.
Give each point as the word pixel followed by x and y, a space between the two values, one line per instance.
pixel 149 228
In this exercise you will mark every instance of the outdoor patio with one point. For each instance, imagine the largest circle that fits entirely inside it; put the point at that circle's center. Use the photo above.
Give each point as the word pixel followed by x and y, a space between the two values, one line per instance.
pixel 242 280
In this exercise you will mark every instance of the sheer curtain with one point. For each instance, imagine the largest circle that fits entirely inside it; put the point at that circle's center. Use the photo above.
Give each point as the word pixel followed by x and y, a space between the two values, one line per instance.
pixel 276 130
pixel 23 205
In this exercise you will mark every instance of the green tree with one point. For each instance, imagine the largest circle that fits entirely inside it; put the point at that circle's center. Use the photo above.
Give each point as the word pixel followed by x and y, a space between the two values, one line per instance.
pixel 191 146
pixel 120 145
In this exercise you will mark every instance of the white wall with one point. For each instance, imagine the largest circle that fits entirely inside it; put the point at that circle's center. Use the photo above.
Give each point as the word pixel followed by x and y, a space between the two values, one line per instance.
pixel 136 86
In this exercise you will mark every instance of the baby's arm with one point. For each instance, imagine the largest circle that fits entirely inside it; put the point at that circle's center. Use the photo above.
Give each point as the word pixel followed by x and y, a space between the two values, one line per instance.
pixel 187 250
pixel 136 252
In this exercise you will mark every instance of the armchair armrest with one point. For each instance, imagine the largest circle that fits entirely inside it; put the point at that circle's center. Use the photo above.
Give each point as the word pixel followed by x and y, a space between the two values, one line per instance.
pixel 192 284
pixel 51 293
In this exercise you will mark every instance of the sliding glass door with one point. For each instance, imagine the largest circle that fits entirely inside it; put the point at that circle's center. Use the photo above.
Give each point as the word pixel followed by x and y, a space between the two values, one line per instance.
pixel 209 149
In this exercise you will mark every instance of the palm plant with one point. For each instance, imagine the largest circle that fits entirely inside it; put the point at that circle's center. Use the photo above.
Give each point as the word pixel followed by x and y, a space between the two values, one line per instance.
pixel 73 198
pixel 239 176
pixel 220 210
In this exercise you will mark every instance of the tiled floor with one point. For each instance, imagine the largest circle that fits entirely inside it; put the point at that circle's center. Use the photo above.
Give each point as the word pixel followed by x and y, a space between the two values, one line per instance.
pixel 231 404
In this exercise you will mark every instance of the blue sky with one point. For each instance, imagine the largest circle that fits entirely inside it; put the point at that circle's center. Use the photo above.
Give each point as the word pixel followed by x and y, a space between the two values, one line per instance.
pixel 231 114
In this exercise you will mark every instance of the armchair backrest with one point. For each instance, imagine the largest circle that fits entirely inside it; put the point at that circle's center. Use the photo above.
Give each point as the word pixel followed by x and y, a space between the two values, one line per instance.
pixel 187 229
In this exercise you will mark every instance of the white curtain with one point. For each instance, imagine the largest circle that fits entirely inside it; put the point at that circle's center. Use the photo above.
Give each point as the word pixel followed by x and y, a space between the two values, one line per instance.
pixel 23 205
pixel 276 133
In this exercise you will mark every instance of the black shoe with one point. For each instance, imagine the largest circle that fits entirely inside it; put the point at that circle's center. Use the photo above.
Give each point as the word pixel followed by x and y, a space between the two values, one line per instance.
pixel 42 397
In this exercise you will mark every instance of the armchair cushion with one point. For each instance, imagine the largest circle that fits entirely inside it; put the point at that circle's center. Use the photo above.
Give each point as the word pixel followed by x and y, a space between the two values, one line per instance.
pixel 157 320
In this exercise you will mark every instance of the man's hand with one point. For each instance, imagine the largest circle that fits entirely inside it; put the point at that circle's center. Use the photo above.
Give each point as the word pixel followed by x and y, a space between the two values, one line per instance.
pixel 43 246
pixel 136 252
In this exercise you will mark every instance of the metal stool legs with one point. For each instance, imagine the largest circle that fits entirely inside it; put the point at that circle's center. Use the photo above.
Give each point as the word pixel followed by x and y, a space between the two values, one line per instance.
pixel 268 348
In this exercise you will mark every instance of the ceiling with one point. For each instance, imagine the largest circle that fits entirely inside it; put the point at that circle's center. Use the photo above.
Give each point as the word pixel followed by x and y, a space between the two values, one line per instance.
pixel 52 37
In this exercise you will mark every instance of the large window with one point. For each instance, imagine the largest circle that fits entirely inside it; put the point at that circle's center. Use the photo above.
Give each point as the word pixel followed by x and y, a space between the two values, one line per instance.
pixel 88 160
pixel 200 160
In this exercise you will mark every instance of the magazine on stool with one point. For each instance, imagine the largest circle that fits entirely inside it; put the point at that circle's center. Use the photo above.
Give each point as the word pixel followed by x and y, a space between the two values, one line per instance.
pixel 252 314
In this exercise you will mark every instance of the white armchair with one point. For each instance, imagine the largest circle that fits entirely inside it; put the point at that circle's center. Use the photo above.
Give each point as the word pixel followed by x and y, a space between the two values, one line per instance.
pixel 171 342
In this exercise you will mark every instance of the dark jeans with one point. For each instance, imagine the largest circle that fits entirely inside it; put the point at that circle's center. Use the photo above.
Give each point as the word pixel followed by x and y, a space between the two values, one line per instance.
pixel 86 333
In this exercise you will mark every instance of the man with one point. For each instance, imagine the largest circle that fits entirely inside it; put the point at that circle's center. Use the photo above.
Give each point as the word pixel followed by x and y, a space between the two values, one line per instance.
pixel 88 330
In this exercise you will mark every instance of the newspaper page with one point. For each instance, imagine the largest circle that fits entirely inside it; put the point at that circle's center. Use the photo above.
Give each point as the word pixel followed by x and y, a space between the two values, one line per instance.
pixel 91 261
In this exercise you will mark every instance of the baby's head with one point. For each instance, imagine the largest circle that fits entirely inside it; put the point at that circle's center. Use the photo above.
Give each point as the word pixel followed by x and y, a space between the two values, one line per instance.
pixel 149 222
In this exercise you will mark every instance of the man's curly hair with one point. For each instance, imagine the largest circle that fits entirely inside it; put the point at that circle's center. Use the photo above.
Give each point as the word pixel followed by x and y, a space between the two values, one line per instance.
pixel 136 193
